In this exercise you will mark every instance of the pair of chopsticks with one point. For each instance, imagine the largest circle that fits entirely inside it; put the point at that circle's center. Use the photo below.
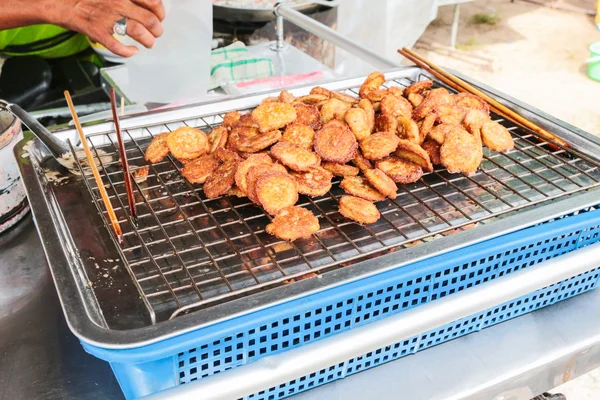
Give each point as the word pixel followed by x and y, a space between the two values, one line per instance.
pixel 127 176
pixel 462 86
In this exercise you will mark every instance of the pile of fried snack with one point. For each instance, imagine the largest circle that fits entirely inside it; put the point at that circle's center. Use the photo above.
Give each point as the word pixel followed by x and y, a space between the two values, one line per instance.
pixel 289 146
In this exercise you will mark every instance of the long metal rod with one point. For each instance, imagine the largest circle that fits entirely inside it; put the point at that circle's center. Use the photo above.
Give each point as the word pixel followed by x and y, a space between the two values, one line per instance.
pixel 326 33
pixel 278 369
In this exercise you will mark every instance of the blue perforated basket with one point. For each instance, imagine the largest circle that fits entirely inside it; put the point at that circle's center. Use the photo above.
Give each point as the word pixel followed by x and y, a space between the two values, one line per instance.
pixel 230 344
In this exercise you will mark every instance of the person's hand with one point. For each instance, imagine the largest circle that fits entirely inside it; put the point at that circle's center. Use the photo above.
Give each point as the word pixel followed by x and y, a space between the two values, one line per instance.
pixel 96 19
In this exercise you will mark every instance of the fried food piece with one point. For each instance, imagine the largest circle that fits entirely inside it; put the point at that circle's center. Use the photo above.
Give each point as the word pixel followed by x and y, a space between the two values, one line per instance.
pixel 198 170
pixel 386 123
pixel 344 97
pixel 187 143
pixel 418 87
pixel 217 138
pixel 314 182
pixel 300 135
pixel 380 181
pixel 225 155
pixel 254 174
pixel 334 109
pixel 141 174
pixel 367 107
pixel 395 91
pixel 246 120
pixel 379 145
pixel 414 153
pixel 474 120
pixel 394 106
pixel 415 99
pixel 242 171
pixel 360 187
pixel 308 115
pixel 321 91
pixel 235 191
pixel 295 157
pixel 471 101
pixel 340 169
pixel 293 223
pixel 435 98
pixel 408 129
pixel 400 171
pixel 221 180
pixel 286 97
pixel 433 149
pixel 231 119
pixel 311 99
pixel 357 120
pixel 272 116
pixel 439 132
pixel 358 209
pixel 361 162
pixel 253 144
pixel 157 149
pixel 371 84
pixel 426 126
pixel 239 134
pixel 450 114
pixel 496 137
pixel 270 99
pixel 335 142
pixel 276 191
pixel 461 152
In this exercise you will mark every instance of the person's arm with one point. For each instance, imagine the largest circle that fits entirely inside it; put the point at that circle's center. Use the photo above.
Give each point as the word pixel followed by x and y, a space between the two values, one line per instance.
pixel 94 18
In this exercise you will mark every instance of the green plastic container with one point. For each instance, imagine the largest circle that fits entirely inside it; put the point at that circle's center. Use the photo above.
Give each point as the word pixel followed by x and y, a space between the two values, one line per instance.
pixel 594 67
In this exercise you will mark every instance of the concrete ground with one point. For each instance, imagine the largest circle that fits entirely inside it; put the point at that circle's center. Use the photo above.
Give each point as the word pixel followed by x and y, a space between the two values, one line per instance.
pixel 535 54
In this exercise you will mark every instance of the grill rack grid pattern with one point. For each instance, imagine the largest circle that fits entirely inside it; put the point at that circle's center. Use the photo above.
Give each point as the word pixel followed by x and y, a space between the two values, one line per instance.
pixel 187 252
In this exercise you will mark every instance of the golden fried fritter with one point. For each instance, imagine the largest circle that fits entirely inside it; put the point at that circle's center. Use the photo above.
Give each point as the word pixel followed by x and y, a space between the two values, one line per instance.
pixel 474 120
pixel 414 153
pixel 272 116
pixel 231 119
pixel 321 91
pixel 461 152
pixel 286 97
pixel 293 223
pixel 425 126
pixel 357 120
pixel 434 99
pixel 361 162
pixel 367 107
pixel 295 157
pixel 471 101
pixel 358 209
pixel 253 144
pixel 270 99
pixel 242 171
pixel 383 183
pixel 340 169
pixel 408 129
pixel 344 97
pixel 240 134
pixel 450 114
pixel 158 149
pixel 187 143
pixel 335 142
pixel 415 99
pixel 496 137
pixel 360 187
pixel 386 123
pixel 394 106
pixel 235 191
pixel 371 84
pixel 198 170
pixel 395 91
pixel 276 191
pixel 308 114
pixel 221 180
pixel 247 120
pixel 418 87
pixel 334 109
pixel 379 145
pixel 400 171
pixel 300 135
pixel 254 174
pixel 225 155
pixel 311 99
pixel 439 132
pixel 217 138
pixel 314 182
pixel 433 149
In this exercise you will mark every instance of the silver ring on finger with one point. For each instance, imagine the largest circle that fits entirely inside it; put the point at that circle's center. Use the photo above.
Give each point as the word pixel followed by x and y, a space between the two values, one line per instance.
pixel 120 27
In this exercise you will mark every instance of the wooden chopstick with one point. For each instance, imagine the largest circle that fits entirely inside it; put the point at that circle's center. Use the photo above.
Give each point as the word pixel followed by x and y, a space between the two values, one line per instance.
pixel 460 85
pixel 124 161
pixel 111 213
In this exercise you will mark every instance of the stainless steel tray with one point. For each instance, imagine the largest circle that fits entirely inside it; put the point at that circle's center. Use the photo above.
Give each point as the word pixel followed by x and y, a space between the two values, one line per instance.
pixel 191 262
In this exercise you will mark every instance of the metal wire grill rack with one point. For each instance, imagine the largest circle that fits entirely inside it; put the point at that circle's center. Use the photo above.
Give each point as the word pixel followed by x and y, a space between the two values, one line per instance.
pixel 188 252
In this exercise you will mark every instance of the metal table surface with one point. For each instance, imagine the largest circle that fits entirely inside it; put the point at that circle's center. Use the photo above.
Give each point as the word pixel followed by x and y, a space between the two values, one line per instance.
pixel 41 359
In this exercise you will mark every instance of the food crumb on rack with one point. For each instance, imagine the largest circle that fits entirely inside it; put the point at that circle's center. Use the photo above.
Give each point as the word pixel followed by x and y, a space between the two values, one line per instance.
pixel 141 174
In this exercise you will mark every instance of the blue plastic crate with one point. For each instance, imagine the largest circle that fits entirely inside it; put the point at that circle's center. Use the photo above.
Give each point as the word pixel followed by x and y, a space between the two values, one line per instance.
pixel 229 344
